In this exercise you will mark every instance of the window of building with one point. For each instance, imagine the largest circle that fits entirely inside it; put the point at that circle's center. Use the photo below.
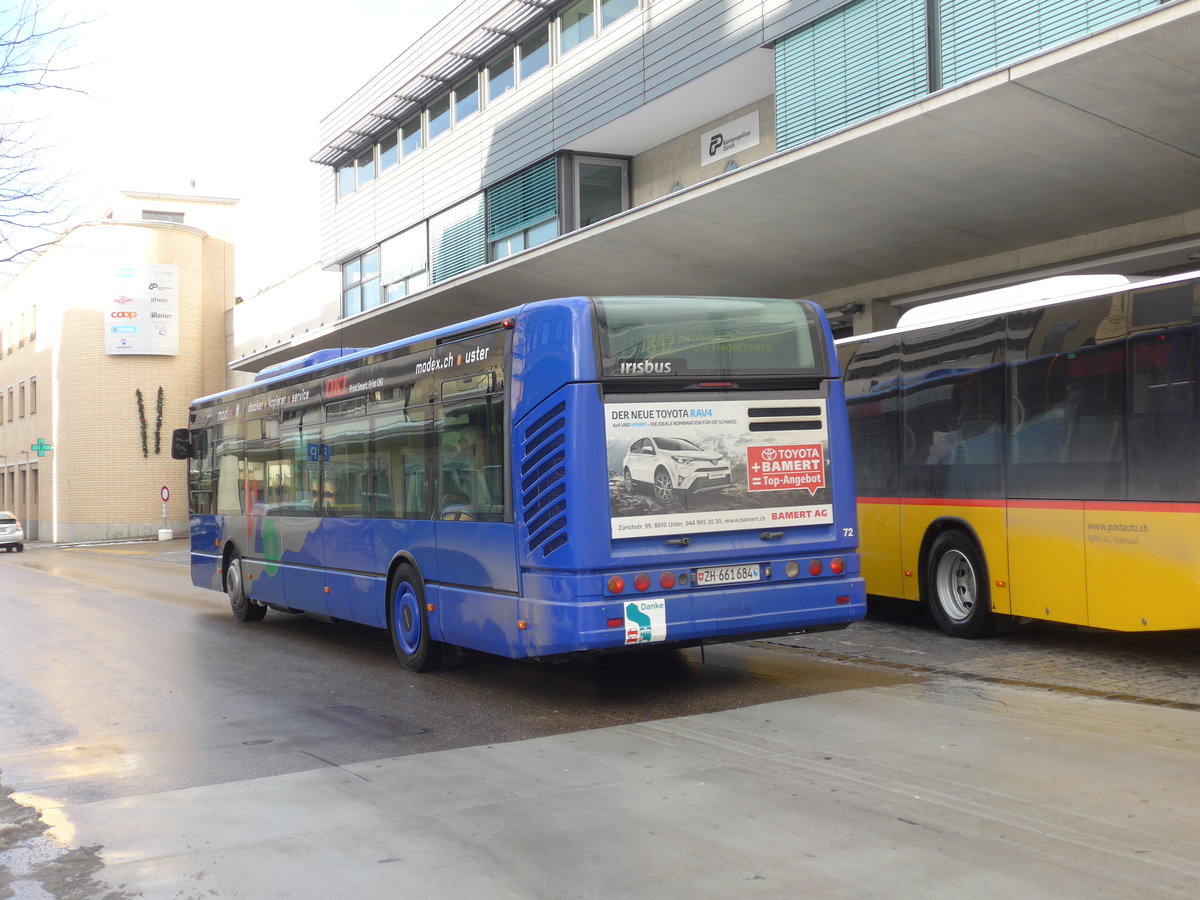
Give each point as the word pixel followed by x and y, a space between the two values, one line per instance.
pixel 389 152
pixel 360 283
pixel 466 97
pixel 365 165
pixel 439 116
pixel 21 400
pixel 611 10
pixel 345 180
pixel 457 240
pixel 10 404
pixel 534 52
pixel 601 188
pixel 405 263
pixel 577 24
pixel 410 136
pixel 156 215
pixel 32 394
pixel 500 75
pixel 522 211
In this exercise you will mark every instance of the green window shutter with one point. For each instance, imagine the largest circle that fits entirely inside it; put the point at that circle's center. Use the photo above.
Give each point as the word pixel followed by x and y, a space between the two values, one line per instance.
pixel 456 239
pixel 525 199
pixel 850 65
pixel 978 35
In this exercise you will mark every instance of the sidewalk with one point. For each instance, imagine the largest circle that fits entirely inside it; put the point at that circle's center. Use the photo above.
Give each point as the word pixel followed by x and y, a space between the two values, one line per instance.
pixel 933 789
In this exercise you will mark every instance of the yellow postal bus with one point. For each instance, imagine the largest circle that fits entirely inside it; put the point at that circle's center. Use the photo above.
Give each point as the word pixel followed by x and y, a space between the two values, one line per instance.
pixel 1038 459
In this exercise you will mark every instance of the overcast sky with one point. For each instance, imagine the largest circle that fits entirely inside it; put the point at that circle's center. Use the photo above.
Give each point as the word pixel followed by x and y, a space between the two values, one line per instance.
pixel 228 94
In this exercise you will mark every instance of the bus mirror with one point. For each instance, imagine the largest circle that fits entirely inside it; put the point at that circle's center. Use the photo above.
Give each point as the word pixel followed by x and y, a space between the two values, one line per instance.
pixel 181 444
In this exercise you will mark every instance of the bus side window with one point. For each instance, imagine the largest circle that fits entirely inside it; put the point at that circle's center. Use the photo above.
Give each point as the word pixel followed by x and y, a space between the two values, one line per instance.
pixel 471 460
pixel 230 472
pixel 398 457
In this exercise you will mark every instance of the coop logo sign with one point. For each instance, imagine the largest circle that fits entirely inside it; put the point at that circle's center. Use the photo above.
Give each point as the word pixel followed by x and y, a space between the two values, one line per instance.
pixel 730 138
pixel 123 314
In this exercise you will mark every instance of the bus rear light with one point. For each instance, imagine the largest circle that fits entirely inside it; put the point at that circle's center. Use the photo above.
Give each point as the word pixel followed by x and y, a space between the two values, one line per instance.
pixel 616 584
pixel 842 601
pixel 715 384
pixel 666 580
pixel 815 567
pixel 642 582
pixel 792 569
pixel 522 624
pixel 837 565
pixel 683 578
pixel 616 623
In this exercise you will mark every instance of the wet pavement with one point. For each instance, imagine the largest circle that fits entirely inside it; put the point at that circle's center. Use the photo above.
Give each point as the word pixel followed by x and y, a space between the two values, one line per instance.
pixel 882 761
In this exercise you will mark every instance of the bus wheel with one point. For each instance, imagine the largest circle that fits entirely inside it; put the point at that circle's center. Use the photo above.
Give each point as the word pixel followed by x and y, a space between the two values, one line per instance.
pixel 956 587
pixel 244 609
pixel 408 620
pixel 664 493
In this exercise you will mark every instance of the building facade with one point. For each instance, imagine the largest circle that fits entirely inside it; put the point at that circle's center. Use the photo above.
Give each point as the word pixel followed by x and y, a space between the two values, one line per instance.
pixel 870 154
pixel 104 340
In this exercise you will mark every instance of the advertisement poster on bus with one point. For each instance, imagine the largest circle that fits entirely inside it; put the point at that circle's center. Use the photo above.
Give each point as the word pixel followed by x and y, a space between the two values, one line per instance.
pixel 687 467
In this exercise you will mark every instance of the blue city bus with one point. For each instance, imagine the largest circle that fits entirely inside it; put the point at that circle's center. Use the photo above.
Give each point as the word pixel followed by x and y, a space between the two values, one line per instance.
pixel 572 475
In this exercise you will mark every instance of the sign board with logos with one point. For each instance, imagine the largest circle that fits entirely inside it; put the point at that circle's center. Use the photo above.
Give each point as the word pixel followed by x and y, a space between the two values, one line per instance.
pixel 141 318
pixel 740 134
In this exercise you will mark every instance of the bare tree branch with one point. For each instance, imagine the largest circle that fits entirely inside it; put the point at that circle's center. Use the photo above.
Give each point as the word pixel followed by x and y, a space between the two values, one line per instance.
pixel 31 210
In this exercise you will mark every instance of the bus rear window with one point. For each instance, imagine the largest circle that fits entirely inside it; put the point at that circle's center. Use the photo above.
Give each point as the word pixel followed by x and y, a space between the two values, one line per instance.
pixel 708 336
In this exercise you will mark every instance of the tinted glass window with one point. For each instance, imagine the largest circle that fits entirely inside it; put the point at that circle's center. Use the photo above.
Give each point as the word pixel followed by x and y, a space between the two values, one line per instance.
pixel 466 97
pixel 535 52
pixel 953 423
pixel 1067 384
pixel 500 75
pixel 872 379
pixel 718 336
pixel 1162 427
pixel 439 116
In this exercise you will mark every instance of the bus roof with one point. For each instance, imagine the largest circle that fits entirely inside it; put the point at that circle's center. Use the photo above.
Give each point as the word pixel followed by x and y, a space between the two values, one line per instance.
pixel 1009 299
pixel 1031 295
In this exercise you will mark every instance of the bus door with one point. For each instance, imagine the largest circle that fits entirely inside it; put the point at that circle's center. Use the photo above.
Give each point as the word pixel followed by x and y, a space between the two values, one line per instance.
pixel 473 528
pixel 344 506
pixel 1065 406
pixel 289 532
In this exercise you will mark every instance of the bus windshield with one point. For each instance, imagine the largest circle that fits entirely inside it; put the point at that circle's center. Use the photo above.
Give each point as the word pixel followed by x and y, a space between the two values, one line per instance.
pixel 717 336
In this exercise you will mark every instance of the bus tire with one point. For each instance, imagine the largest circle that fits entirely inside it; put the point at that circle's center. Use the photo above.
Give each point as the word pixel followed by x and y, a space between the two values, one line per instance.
pixel 408 620
pixel 955 588
pixel 244 609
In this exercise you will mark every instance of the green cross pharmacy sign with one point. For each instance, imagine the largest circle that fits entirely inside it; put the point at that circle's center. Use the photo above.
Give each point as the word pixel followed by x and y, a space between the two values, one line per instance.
pixel 41 448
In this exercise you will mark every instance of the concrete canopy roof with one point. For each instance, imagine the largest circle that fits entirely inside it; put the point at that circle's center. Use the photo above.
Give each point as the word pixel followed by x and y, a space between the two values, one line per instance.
pixel 1096 135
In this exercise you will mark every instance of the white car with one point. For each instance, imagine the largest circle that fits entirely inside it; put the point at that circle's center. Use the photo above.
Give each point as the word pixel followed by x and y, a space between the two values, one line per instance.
pixel 12 535
pixel 673 465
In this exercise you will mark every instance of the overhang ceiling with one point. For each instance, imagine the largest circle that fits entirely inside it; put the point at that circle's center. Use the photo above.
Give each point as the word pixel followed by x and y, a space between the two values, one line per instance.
pixel 1097 135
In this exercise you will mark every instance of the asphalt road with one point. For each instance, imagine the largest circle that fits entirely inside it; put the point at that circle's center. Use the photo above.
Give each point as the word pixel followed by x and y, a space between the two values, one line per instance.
pixel 152 746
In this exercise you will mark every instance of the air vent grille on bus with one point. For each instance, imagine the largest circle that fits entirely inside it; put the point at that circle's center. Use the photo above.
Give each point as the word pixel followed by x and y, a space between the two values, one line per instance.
pixel 786 418
pixel 543 481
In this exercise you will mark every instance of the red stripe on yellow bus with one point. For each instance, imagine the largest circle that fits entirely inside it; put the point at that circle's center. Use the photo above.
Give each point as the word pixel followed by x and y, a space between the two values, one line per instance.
pixel 1088 505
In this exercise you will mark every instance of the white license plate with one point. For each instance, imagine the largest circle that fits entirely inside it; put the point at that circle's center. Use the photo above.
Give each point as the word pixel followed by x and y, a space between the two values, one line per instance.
pixel 728 575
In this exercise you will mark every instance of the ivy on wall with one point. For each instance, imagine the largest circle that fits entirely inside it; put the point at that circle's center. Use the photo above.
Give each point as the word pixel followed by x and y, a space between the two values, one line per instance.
pixel 142 424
